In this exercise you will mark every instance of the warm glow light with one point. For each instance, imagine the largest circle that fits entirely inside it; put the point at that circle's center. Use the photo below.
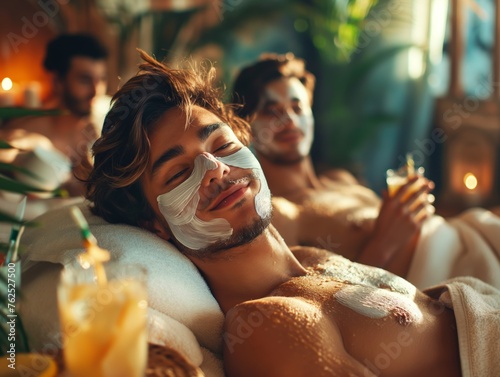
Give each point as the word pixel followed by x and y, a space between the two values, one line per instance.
pixel 470 181
pixel 6 84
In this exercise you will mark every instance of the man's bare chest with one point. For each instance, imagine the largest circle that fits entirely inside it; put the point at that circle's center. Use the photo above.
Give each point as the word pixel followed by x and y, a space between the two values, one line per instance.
pixel 375 313
pixel 354 289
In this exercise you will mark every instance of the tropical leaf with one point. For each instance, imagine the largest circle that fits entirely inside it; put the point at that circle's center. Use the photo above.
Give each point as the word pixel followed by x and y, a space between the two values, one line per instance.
pixel 368 128
pixel 360 70
pixel 6 218
pixel 348 128
pixel 5 145
pixel 334 27
pixel 11 185
pixel 16 112
pixel 5 166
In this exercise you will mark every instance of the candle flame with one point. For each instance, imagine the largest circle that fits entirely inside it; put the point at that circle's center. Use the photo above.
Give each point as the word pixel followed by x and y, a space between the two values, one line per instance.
pixel 470 181
pixel 6 84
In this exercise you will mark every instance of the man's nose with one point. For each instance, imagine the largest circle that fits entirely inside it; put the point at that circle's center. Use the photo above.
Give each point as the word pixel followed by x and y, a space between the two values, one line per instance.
pixel 216 174
pixel 288 118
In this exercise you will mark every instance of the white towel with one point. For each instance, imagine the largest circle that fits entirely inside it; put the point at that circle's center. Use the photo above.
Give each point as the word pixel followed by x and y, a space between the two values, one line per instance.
pixel 212 365
pixel 164 330
pixel 467 245
pixel 477 314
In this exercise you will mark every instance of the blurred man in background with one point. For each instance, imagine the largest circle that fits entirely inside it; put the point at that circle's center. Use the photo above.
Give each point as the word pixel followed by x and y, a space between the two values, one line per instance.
pixel 77 63
pixel 334 211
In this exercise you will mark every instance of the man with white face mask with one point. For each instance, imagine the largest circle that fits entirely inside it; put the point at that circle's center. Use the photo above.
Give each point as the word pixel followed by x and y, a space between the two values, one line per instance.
pixel 331 211
pixel 173 160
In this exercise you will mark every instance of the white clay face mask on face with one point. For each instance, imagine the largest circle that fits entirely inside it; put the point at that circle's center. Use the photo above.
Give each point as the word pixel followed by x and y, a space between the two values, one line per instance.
pixel 179 205
pixel 303 121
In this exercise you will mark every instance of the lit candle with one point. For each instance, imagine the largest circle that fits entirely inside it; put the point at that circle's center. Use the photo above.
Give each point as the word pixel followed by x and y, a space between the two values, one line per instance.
pixel 32 95
pixel 6 93
pixel 473 197
pixel 470 181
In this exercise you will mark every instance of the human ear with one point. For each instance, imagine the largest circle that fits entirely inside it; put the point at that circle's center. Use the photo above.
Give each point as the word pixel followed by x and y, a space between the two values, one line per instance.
pixel 58 83
pixel 160 228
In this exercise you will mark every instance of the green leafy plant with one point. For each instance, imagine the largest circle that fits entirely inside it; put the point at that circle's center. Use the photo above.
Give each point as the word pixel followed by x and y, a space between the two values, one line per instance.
pixel 11 327
pixel 10 184
pixel 348 128
pixel 334 29
pixel 333 26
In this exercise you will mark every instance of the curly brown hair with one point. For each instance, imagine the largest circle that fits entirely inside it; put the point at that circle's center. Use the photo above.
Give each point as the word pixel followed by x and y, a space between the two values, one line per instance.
pixel 122 152
pixel 251 81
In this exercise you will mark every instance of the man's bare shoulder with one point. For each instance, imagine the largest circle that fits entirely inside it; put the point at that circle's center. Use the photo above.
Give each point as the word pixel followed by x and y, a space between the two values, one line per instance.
pixel 284 336
pixel 344 183
pixel 339 175
pixel 310 256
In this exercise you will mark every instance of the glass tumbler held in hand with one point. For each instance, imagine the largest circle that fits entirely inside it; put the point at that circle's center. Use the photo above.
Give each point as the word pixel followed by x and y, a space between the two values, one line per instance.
pixel 398 178
pixel 104 325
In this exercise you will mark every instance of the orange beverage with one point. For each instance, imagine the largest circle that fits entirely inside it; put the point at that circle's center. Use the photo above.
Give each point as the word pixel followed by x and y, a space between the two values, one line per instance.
pixel 397 178
pixel 394 184
pixel 104 325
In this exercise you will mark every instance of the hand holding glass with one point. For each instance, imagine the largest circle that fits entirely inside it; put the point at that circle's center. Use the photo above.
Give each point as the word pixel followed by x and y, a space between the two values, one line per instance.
pixel 398 178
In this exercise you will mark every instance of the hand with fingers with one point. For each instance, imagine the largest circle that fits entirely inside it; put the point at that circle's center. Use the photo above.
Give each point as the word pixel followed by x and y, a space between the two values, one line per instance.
pixel 398 226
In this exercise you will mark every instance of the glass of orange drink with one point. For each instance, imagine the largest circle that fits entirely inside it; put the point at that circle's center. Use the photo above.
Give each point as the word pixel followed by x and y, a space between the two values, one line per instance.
pixel 397 178
pixel 103 321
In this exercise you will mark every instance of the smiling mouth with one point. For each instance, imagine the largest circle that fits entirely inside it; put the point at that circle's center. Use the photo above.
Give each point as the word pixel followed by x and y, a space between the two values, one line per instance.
pixel 230 196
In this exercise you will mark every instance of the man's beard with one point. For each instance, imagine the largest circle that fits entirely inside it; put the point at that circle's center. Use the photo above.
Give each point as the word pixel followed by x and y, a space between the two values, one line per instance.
pixel 284 159
pixel 76 106
pixel 242 237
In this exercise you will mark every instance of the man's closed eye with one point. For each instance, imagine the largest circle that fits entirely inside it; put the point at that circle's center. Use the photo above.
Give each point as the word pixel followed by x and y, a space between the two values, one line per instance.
pixel 176 176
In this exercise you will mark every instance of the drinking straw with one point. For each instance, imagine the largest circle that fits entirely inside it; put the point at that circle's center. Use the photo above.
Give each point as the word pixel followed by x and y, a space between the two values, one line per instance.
pixel 410 164
pixel 94 255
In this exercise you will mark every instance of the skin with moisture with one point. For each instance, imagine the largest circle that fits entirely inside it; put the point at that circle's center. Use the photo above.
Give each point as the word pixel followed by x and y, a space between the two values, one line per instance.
pixel 300 313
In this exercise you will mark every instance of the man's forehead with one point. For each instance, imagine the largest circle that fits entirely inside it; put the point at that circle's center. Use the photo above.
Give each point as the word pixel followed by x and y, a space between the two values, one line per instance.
pixel 285 90
pixel 194 117
pixel 206 129
pixel 84 64
pixel 175 127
